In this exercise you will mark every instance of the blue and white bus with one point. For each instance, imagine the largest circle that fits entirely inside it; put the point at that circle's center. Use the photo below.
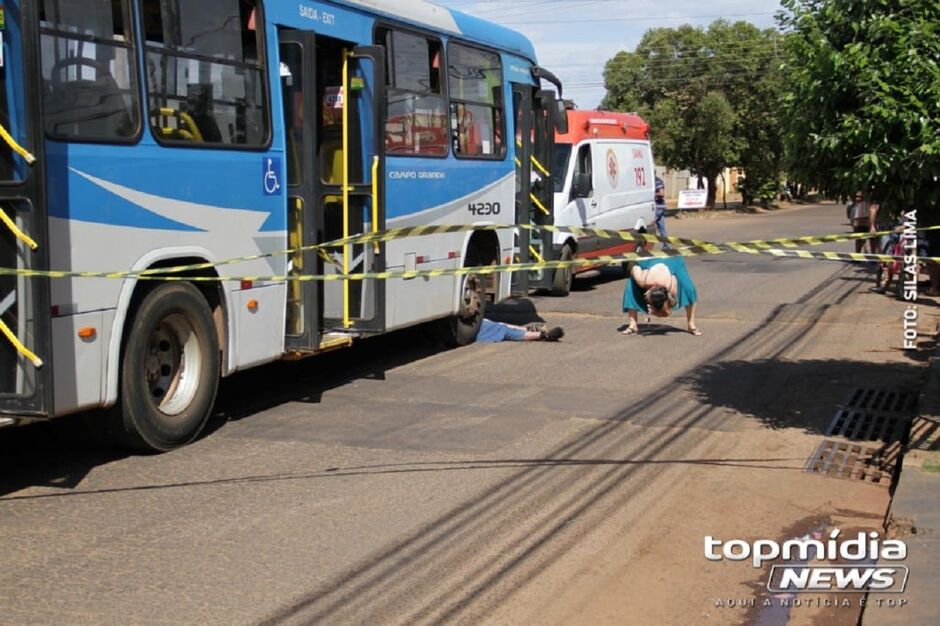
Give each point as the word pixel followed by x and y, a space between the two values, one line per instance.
pixel 178 132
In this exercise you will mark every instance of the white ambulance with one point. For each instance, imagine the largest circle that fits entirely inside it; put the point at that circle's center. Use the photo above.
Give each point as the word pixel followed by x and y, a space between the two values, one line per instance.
pixel 604 178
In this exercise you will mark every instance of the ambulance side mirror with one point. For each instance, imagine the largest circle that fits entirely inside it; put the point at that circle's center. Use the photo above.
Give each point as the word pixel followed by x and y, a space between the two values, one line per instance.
pixel 561 117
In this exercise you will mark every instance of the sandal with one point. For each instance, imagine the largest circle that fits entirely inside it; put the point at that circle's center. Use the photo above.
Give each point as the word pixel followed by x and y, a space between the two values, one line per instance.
pixel 695 332
pixel 629 331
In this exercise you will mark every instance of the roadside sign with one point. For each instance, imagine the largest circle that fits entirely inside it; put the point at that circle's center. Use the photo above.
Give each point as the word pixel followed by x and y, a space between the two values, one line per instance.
pixel 693 198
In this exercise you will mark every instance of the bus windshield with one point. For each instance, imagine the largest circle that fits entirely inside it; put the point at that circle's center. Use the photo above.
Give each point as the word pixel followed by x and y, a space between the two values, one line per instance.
pixel 560 166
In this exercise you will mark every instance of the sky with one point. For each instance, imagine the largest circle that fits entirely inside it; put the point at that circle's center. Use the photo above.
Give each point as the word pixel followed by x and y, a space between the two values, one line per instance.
pixel 574 38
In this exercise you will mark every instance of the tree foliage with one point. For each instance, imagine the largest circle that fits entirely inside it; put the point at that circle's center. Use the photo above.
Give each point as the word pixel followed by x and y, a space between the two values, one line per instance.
pixel 863 108
pixel 710 96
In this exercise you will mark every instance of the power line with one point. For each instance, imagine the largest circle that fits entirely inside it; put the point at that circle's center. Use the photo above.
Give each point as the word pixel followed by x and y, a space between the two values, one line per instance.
pixel 635 19
pixel 674 63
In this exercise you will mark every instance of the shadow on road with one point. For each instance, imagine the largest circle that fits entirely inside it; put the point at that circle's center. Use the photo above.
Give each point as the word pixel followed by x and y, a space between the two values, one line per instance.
pixel 796 394
pixel 61 452
pixel 258 389
pixel 794 465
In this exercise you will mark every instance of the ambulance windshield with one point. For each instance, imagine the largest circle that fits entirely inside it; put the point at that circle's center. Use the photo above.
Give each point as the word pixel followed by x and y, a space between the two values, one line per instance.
pixel 560 166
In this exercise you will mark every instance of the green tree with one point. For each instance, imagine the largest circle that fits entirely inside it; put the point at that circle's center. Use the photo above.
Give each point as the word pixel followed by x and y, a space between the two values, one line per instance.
pixel 710 97
pixel 863 112
pixel 748 60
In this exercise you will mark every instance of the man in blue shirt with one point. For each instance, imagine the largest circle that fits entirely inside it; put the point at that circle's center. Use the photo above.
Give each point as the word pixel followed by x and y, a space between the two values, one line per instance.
pixel 494 332
pixel 661 207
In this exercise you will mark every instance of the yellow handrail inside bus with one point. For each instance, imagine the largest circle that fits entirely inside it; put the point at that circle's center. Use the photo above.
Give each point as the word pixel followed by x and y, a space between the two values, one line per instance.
pixel 536 254
pixel 347 249
pixel 185 119
pixel 23 350
pixel 541 168
pixel 375 200
pixel 19 234
pixel 538 204
pixel 17 148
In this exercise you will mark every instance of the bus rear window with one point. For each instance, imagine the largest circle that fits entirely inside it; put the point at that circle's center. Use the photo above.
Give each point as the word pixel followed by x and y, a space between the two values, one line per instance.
pixel 88 71
pixel 205 76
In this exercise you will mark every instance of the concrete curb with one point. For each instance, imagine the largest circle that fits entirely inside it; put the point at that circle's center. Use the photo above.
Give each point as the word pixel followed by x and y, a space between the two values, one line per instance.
pixel 914 516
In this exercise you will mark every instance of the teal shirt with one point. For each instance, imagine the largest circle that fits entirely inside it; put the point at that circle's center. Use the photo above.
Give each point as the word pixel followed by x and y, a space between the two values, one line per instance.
pixel 686 294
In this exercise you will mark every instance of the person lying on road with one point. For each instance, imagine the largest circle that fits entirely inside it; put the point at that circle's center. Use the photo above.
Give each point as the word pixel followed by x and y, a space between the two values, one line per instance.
pixel 656 287
pixel 494 332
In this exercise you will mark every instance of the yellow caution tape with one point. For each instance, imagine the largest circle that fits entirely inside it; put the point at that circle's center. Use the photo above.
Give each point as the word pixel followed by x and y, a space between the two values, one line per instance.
pixel 462 271
pixel 426 230
pixel 686 247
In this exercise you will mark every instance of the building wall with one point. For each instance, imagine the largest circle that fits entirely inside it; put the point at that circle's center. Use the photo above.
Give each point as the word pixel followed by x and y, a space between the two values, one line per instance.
pixel 683 179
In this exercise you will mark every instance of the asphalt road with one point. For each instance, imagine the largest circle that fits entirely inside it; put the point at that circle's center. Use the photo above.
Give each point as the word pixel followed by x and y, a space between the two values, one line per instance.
pixel 397 482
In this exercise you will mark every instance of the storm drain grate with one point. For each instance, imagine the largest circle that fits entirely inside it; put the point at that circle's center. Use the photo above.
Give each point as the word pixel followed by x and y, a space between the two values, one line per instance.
pixel 881 401
pixel 854 461
pixel 867 426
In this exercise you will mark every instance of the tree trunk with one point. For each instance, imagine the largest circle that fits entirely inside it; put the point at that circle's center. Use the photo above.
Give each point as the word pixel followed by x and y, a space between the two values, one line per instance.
pixel 712 189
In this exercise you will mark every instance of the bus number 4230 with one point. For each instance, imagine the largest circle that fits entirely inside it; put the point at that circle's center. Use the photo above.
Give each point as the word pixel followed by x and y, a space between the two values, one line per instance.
pixel 484 208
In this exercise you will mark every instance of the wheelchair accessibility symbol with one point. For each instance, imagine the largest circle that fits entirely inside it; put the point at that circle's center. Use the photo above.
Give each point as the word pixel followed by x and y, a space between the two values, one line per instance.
pixel 272 171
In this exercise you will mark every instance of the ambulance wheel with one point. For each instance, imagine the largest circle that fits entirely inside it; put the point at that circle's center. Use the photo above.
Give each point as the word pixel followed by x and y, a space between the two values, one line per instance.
pixel 169 370
pixel 564 276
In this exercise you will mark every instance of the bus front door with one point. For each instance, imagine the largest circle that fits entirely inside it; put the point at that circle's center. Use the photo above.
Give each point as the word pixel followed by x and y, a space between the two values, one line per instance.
pixel 335 174
pixel 352 160
pixel 535 140
pixel 25 346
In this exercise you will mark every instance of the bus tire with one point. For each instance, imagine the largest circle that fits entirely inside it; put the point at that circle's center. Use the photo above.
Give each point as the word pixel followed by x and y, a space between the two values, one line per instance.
pixel 564 276
pixel 169 370
pixel 461 329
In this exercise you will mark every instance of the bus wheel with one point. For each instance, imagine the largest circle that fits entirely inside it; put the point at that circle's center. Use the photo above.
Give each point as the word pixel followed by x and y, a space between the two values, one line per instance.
pixel 461 329
pixel 466 324
pixel 564 276
pixel 169 369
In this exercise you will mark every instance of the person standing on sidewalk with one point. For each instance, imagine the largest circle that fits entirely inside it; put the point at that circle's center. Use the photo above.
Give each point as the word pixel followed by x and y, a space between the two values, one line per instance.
pixel 661 208
pixel 864 214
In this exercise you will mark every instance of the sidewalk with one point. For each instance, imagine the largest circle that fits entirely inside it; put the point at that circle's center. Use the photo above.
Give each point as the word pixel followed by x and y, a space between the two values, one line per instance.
pixel 914 517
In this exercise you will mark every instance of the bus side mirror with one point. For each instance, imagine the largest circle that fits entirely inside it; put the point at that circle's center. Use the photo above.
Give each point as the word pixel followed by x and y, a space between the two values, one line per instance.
pixel 581 185
pixel 561 117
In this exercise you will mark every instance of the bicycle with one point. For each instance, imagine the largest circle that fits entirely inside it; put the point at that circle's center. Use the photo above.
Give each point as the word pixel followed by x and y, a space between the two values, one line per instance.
pixel 887 270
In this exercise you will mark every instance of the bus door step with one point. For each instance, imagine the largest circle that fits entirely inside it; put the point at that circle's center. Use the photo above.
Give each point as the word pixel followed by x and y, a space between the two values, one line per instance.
pixel 335 340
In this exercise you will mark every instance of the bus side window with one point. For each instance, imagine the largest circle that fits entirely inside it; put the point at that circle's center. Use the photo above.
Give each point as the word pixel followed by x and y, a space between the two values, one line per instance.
pixel 205 77
pixel 416 124
pixel 88 71
pixel 475 80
